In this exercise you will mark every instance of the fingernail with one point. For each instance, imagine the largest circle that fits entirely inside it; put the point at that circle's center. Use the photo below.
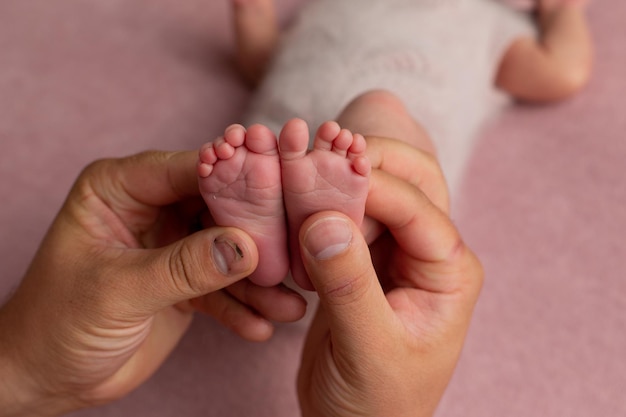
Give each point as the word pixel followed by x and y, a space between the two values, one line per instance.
pixel 226 254
pixel 328 237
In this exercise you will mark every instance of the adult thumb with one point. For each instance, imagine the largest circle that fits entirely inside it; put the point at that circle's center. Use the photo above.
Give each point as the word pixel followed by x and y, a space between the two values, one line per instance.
pixel 337 260
pixel 199 264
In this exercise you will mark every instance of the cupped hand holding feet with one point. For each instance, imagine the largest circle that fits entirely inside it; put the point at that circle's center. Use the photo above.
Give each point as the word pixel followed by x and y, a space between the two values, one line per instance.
pixel 391 323
pixel 392 320
pixel 115 282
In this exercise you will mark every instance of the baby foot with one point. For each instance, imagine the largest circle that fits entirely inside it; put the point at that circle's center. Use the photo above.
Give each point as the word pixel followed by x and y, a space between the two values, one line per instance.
pixel 332 176
pixel 239 176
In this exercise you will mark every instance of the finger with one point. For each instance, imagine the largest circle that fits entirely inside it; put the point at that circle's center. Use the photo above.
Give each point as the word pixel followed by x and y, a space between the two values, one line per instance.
pixel 202 263
pixel 433 249
pixel 238 317
pixel 247 309
pixel 150 178
pixel 405 210
pixel 406 162
pixel 337 260
pixel 277 303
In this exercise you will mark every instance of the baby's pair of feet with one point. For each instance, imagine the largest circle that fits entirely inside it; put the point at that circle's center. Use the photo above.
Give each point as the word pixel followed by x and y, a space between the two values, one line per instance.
pixel 268 188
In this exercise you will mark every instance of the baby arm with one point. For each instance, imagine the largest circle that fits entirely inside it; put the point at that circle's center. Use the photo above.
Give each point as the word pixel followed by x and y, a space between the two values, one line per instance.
pixel 555 66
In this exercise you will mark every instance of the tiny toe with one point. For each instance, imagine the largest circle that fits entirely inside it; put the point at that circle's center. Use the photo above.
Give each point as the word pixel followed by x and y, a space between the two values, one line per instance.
pixel 204 170
pixel 207 154
pixel 294 140
pixel 358 146
pixel 260 139
pixel 325 136
pixel 362 166
pixel 223 149
pixel 235 135
pixel 342 142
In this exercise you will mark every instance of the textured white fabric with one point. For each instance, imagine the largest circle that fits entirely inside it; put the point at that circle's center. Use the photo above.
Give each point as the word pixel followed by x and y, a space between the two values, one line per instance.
pixel 438 56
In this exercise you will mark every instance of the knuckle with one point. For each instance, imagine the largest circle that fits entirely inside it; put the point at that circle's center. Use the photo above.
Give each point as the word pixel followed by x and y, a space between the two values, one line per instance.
pixel 468 268
pixel 184 271
pixel 349 288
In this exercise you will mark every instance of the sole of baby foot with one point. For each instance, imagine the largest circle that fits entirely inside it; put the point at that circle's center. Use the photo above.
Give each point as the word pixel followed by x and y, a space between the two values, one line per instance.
pixel 240 181
pixel 333 175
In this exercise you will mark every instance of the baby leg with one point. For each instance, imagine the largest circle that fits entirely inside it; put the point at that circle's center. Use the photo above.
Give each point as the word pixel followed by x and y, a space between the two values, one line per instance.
pixel 256 31
pixel 334 175
pixel 381 113
pixel 239 176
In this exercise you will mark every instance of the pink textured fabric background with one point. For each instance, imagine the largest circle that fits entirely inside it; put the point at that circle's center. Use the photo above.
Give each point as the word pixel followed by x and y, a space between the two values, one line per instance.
pixel 542 204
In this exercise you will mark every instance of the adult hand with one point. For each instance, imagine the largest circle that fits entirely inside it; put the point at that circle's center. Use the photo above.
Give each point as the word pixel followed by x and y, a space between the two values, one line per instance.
pixel 388 332
pixel 114 285
pixel 417 167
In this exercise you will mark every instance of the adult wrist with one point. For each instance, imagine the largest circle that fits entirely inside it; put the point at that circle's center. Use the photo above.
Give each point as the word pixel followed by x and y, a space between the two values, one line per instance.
pixel 20 393
pixel 15 399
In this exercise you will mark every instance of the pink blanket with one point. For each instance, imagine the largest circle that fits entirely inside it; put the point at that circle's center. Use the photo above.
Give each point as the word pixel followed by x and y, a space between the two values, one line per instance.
pixel 542 204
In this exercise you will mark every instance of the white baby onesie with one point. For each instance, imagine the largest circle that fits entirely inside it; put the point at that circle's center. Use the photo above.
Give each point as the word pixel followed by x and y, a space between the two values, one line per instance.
pixel 438 56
